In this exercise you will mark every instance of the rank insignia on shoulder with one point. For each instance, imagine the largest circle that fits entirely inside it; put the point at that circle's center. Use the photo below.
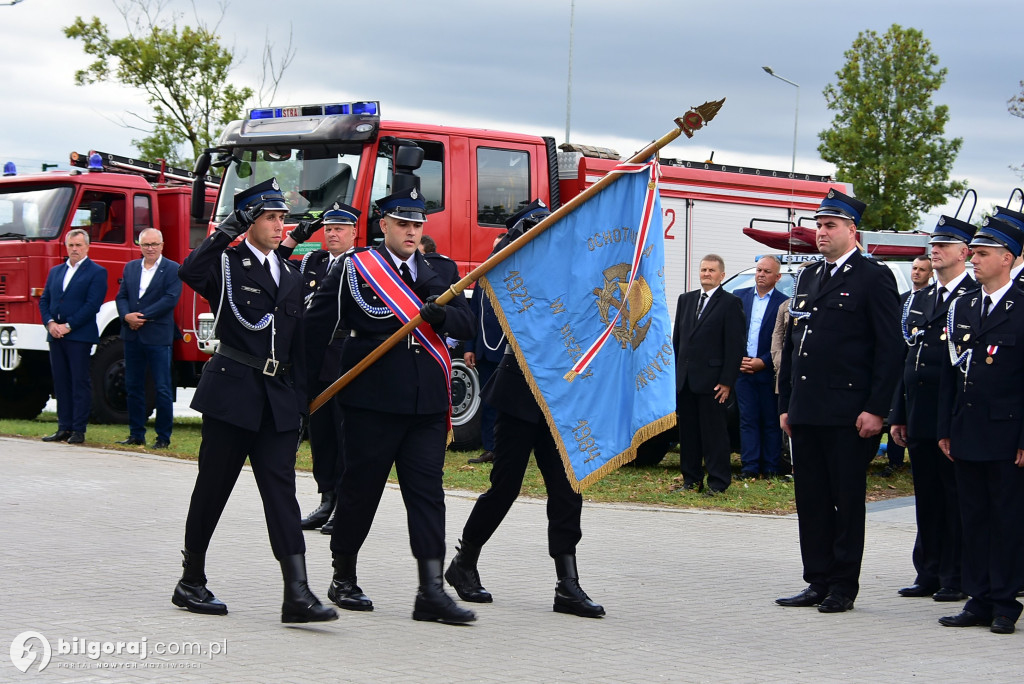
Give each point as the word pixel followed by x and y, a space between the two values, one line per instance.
pixel 246 262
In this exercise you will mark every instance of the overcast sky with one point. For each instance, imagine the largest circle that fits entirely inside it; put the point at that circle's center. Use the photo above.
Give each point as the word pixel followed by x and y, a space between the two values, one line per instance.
pixel 637 64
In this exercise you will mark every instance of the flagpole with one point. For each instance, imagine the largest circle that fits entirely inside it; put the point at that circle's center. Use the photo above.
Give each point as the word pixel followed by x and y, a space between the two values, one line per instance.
pixel 687 124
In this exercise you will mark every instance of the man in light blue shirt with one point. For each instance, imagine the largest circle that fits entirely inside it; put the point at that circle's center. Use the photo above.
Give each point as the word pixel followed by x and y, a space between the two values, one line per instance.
pixel 760 435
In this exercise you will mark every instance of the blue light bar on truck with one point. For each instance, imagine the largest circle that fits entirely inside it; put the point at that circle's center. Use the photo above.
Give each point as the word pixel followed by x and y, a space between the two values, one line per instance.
pixel 358 108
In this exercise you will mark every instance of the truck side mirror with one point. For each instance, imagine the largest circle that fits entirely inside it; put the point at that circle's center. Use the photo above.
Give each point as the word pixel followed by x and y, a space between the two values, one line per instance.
pixel 198 208
pixel 97 212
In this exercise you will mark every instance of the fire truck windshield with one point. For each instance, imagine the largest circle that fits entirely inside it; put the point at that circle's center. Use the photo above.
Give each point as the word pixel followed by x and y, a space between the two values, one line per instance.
pixel 312 179
pixel 33 211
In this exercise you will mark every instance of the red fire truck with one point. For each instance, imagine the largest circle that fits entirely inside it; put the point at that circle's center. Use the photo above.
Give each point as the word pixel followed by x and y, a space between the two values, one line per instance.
pixel 473 180
pixel 114 199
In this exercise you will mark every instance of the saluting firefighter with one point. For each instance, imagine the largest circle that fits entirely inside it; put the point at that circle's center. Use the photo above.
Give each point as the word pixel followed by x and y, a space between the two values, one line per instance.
pixel 325 435
pixel 840 364
pixel 913 420
pixel 397 411
pixel 520 428
pixel 981 428
pixel 251 395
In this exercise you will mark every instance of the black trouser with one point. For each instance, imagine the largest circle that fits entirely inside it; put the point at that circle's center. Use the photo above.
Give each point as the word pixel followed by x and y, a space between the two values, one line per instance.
pixel 937 547
pixel 221 457
pixel 415 445
pixel 703 437
pixel 992 510
pixel 514 439
pixel 326 443
pixel 830 465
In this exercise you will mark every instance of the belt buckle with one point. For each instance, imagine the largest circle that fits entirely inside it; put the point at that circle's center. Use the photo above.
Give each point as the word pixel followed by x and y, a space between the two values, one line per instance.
pixel 411 341
pixel 270 367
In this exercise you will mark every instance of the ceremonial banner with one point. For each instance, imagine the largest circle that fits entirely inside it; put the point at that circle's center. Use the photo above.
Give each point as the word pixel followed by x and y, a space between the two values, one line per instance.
pixel 583 306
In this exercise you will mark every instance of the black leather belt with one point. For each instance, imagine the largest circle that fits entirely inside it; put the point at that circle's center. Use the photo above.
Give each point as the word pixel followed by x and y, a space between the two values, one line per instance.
pixel 269 367
pixel 341 334
pixel 410 340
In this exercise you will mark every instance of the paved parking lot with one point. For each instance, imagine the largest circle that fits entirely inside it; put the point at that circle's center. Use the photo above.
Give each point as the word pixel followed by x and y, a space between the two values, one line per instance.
pixel 91 543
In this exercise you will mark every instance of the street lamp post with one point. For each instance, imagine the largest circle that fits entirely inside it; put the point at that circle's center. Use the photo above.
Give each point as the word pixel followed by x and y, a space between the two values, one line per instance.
pixel 796 116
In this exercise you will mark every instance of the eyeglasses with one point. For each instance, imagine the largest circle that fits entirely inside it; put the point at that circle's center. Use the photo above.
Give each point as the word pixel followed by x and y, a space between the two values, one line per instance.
pixel 150 245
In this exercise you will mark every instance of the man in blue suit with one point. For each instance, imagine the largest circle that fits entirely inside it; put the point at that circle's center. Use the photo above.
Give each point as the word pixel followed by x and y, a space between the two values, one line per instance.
pixel 760 434
pixel 145 304
pixel 68 306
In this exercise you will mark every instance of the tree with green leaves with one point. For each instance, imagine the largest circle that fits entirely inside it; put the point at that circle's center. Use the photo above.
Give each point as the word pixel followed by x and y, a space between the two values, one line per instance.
pixel 183 71
pixel 887 136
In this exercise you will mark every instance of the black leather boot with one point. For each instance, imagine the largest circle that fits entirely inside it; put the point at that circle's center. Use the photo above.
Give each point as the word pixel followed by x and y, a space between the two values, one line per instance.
pixel 191 592
pixel 300 605
pixel 344 591
pixel 432 603
pixel 321 513
pixel 463 576
pixel 569 595
pixel 328 527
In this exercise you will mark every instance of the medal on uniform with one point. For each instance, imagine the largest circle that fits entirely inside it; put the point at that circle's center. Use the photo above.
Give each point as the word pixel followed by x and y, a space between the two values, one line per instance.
pixel 913 331
pixel 991 349
pixel 967 337
pixel 312 283
pixel 801 304
pixel 943 335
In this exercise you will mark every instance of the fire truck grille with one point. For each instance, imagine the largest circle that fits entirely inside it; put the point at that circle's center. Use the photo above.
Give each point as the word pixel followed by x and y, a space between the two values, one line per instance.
pixel 4 314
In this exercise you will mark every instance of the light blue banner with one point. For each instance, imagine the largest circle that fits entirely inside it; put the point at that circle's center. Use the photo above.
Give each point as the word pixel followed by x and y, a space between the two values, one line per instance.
pixel 565 301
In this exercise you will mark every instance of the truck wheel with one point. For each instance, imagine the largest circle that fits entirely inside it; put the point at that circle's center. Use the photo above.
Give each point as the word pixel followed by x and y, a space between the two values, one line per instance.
pixel 109 394
pixel 465 407
pixel 653 450
pixel 24 393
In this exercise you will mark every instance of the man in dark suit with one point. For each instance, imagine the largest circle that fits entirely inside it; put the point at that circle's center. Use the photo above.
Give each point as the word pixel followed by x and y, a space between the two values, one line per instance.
pixel 840 365
pixel 913 421
pixel 72 297
pixel 760 435
pixel 981 406
pixel 708 342
pixel 325 433
pixel 149 291
pixel 397 411
pixel 520 428
pixel 251 394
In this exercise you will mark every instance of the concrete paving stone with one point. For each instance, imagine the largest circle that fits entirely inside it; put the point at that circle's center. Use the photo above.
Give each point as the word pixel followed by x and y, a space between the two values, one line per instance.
pixel 92 543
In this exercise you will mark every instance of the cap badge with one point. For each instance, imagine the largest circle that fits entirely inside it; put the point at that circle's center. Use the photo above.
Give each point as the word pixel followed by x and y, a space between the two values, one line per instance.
pixel 336 206
pixel 413 194
pixel 540 203
pixel 274 184
pixel 942 220
pixel 831 194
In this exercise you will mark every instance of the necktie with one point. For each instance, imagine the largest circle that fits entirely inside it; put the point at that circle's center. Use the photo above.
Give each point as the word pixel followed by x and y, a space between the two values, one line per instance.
pixel 985 306
pixel 266 265
pixel 700 304
pixel 826 273
pixel 406 274
pixel 942 295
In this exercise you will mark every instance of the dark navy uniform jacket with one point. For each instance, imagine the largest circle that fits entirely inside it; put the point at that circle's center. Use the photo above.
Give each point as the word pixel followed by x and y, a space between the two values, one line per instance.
pixel 230 390
pixel 407 379
pixel 916 404
pixel 845 357
pixel 982 412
